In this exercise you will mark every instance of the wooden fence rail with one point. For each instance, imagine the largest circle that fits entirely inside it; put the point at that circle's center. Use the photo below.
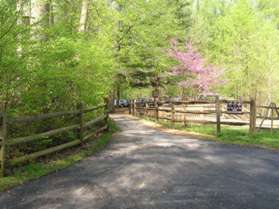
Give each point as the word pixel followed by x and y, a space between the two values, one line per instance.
pixel 271 114
pixel 215 109
pixel 81 127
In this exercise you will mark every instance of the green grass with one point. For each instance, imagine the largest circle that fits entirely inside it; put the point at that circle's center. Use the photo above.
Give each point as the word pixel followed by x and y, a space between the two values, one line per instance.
pixel 233 134
pixel 38 169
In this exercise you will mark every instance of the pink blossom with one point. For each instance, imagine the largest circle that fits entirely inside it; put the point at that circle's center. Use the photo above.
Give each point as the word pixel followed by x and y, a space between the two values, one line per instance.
pixel 200 75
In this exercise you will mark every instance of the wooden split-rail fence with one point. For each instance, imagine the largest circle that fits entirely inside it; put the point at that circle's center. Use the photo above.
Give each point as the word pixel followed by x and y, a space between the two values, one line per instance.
pixel 212 112
pixel 85 129
pixel 269 117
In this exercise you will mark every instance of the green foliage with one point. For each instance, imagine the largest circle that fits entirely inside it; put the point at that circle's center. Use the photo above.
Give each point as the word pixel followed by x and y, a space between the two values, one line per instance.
pixel 240 136
pixel 125 46
pixel 239 37
pixel 48 66
pixel 231 135
pixel 270 9
pixel 145 30
pixel 58 67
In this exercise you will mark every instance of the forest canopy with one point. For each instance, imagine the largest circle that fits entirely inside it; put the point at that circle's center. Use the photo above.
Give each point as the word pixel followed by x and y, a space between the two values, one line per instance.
pixel 55 54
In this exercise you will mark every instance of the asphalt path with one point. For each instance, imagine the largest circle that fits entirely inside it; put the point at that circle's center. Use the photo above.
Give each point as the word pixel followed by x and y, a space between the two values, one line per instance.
pixel 146 168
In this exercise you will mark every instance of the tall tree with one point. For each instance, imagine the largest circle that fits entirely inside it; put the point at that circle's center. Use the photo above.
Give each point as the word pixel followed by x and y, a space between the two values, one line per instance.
pixel 144 35
pixel 237 36
pixel 39 18
pixel 193 70
pixel 23 21
pixel 84 15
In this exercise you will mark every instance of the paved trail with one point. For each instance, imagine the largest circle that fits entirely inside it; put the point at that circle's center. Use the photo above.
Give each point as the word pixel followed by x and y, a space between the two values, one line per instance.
pixel 144 168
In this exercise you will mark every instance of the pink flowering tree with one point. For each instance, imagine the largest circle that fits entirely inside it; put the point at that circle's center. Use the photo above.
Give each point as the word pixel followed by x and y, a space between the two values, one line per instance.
pixel 193 69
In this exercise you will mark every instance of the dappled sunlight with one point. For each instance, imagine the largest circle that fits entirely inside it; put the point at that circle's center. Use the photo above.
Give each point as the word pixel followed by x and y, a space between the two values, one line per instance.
pixel 214 159
pixel 84 193
pixel 255 167
pixel 164 144
pixel 139 104
pixel 138 133
pixel 144 167
pixel 137 177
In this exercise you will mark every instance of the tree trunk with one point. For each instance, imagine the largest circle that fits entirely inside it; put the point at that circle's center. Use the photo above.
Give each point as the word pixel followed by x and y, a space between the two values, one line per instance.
pixel 52 12
pixel 37 11
pixel 23 11
pixel 39 17
pixel 83 16
pixel 118 93
pixel 196 6
pixel 48 13
pixel 19 8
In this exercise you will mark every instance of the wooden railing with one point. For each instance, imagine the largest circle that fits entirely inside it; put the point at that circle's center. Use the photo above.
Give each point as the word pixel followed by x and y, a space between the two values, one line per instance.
pixel 268 113
pixel 154 110
pixel 82 127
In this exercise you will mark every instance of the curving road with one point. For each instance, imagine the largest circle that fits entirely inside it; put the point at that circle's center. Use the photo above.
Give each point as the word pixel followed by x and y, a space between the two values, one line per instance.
pixel 144 168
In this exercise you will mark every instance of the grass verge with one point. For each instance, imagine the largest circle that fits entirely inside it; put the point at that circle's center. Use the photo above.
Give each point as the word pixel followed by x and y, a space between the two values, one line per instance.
pixel 57 162
pixel 231 134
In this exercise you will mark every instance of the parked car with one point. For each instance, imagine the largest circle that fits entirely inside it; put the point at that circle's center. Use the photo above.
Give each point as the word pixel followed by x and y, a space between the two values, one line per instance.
pixel 141 101
pixel 122 103
pixel 176 99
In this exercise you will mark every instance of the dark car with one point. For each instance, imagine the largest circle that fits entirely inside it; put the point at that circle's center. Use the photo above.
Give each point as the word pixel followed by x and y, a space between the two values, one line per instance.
pixel 122 103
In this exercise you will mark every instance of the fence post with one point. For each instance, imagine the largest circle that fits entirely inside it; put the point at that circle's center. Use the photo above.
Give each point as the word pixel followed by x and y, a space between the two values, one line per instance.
pixel 218 115
pixel 107 111
pixel 146 109
pixel 3 144
pixel 184 116
pixel 253 118
pixel 134 107
pixel 156 110
pixel 81 123
pixel 130 107
pixel 172 114
pixel 272 119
